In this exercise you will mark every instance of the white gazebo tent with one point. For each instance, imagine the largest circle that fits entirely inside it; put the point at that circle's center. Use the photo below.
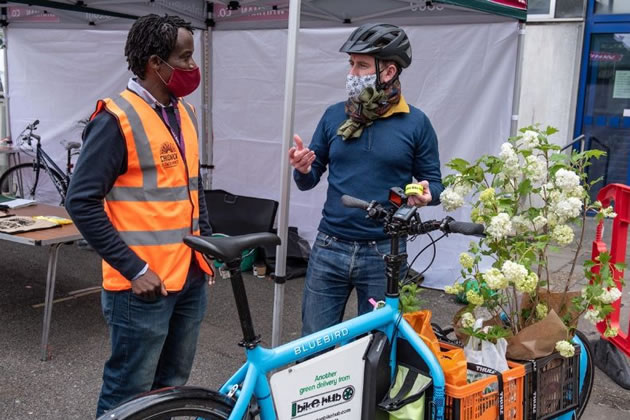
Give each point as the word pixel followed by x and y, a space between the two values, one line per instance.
pixel 63 55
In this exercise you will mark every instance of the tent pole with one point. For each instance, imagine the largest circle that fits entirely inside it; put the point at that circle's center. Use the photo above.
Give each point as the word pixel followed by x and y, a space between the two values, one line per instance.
pixel 285 170
pixel 207 139
pixel 518 79
pixel 7 114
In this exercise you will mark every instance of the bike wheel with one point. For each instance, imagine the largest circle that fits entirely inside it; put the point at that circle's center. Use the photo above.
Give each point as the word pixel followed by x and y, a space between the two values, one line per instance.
pixel 184 409
pixel 181 403
pixel 24 181
pixel 589 377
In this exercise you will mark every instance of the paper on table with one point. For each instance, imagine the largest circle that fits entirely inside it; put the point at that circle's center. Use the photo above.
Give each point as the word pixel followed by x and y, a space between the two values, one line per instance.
pixel 15 203
pixel 19 224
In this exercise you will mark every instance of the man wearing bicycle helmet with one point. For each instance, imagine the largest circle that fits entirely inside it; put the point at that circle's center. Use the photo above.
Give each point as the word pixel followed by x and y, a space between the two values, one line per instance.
pixel 135 194
pixel 371 142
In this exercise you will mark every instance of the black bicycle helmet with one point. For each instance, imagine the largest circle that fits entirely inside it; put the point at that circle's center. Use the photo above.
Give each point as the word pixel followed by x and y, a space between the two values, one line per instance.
pixel 382 41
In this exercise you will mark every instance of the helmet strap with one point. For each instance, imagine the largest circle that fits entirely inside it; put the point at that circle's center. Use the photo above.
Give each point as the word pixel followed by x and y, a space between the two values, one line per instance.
pixel 380 85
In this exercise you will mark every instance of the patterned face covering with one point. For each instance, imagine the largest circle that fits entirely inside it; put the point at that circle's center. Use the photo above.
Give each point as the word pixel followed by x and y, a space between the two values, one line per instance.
pixel 370 105
pixel 356 84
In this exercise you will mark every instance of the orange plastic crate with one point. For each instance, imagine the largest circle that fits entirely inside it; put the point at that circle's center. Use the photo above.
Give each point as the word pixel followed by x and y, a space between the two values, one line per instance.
pixel 471 402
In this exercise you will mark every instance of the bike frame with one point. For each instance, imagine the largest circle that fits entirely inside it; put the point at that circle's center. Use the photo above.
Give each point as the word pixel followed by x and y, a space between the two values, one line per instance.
pixel 260 361
pixel 50 165
pixel 251 379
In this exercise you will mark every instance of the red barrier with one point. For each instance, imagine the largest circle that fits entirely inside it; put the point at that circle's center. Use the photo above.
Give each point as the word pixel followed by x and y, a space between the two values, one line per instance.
pixel 620 194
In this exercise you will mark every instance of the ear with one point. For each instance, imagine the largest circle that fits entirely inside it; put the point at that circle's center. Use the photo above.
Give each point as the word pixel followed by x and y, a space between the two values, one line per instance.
pixel 389 73
pixel 154 62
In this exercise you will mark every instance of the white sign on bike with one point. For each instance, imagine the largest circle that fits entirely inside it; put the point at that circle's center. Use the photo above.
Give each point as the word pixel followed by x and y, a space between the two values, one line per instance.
pixel 328 387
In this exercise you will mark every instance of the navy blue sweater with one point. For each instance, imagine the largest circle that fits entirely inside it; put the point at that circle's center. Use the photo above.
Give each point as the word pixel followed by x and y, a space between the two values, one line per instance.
pixel 103 158
pixel 387 154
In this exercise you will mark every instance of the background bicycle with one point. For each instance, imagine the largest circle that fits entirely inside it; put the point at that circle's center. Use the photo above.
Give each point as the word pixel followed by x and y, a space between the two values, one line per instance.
pixel 42 176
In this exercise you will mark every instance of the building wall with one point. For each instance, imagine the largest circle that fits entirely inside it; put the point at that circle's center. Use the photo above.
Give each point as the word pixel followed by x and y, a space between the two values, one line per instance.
pixel 551 67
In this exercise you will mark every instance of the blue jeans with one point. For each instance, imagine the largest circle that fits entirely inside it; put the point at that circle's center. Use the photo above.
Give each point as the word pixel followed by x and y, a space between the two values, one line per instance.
pixel 153 342
pixel 335 267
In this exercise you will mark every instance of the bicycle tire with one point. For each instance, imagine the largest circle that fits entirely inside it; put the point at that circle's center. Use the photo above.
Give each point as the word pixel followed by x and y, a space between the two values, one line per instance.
pixel 26 173
pixel 174 403
pixel 589 377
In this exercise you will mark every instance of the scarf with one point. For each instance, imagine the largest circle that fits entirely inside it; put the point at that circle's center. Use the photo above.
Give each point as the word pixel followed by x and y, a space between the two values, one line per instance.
pixel 369 106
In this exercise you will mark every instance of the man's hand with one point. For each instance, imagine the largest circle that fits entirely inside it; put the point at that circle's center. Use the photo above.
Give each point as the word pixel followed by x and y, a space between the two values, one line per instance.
pixel 421 200
pixel 301 157
pixel 148 286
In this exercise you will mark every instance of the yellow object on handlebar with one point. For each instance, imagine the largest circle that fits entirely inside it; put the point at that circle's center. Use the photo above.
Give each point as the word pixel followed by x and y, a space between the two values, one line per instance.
pixel 413 189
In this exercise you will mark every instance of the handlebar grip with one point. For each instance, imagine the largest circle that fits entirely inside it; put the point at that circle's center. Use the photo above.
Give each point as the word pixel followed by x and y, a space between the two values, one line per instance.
pixel 466 228
pixel 35 123
pixel 354 202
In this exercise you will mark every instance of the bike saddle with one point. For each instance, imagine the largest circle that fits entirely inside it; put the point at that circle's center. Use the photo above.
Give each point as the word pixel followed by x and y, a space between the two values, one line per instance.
pixel 72 145
pixel 230 248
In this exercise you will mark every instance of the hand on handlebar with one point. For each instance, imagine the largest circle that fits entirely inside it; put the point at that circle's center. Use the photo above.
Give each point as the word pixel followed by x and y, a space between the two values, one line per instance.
pixel 149 286
pixel 421 200
pixel 301 157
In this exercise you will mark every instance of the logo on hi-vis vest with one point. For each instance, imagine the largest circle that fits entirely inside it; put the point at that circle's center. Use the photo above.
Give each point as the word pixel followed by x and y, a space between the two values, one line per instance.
pixel 322 401
pixel 168 155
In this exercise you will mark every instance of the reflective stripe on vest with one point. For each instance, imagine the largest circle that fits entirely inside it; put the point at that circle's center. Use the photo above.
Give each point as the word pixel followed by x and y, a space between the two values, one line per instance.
pixel 155 203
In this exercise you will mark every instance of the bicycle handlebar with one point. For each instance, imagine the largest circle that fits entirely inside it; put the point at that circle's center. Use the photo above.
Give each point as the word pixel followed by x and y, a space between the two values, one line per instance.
pixel 354 202
pixel 466 228
pixel 409 222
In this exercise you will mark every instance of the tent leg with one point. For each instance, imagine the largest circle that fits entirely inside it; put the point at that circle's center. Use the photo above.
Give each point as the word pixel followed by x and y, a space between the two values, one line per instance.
pixel 207 140
pixel 518 79
pixel 285 174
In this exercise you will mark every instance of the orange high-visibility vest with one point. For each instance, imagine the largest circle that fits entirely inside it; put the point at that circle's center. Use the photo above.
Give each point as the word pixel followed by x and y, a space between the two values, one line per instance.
pixel 156 202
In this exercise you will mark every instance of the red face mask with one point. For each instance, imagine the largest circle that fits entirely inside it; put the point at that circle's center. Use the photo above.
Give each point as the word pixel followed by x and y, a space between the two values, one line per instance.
pixel 182 82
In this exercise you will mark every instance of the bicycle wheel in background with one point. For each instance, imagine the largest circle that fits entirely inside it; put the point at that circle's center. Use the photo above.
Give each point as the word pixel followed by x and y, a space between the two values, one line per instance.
pixel 22 181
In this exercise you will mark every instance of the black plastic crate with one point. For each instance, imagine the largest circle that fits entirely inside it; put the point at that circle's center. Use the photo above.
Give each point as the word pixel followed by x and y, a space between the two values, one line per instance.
pixel 552 385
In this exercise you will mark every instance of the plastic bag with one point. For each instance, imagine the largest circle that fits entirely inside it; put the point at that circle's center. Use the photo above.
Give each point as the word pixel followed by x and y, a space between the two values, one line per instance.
pixel 453 362
pixel 486 353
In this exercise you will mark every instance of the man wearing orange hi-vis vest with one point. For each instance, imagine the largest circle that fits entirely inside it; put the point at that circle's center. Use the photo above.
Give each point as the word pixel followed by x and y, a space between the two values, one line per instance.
pixel 135 194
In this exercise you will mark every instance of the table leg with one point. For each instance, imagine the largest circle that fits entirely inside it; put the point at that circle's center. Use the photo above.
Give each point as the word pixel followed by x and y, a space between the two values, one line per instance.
pixel 53 252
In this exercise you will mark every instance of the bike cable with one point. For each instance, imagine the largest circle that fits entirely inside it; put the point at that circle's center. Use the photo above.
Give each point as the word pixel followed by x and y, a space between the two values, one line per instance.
pixel 432 243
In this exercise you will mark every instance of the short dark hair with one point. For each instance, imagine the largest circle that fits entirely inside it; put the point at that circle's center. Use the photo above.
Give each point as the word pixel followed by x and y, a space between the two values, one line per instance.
pixel 149 35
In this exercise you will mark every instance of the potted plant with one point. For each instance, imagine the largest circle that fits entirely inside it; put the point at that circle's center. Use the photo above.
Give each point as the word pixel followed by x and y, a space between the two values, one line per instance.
pixel 531 198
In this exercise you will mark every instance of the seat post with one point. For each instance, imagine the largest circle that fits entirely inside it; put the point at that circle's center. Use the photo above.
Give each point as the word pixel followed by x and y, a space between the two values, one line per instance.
pixel 250 339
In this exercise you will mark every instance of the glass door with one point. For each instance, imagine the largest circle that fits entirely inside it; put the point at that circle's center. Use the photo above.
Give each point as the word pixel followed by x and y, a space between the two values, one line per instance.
pixel 606 120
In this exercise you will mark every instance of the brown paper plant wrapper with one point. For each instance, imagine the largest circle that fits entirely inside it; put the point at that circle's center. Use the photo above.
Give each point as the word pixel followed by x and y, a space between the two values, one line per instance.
pixel 537 340
pixel 558 301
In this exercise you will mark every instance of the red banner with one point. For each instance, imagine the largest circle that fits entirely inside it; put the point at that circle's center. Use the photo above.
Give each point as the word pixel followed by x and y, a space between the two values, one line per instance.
pixel 517 4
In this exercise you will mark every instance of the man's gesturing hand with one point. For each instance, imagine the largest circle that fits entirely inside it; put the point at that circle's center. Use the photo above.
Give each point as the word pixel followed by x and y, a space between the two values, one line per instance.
pixel 301 157
pixel 148 286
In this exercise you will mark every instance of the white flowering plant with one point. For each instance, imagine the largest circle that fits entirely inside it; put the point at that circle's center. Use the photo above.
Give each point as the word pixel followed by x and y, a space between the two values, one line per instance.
pixel 528 198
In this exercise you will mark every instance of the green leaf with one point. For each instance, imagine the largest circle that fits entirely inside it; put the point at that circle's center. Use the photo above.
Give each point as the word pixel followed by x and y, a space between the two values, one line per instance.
pixel 558 157
pixel 458 164
pixel 525 187
pixel 620 266
pixel 551 130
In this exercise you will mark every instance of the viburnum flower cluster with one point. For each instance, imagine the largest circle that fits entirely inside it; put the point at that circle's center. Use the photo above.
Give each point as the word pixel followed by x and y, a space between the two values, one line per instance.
pixel 530 198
